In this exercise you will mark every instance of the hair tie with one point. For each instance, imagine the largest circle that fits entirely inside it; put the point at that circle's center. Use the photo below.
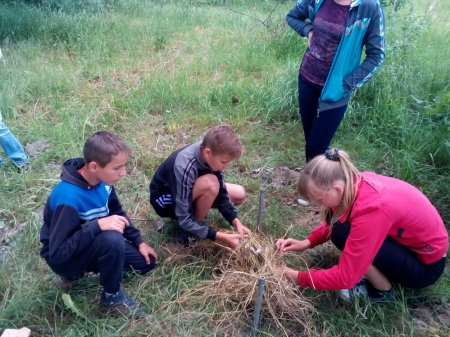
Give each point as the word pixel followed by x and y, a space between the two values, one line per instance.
pixel 332 154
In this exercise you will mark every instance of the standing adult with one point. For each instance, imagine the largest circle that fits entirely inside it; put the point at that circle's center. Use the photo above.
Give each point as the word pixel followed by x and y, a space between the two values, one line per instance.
pixel 337 31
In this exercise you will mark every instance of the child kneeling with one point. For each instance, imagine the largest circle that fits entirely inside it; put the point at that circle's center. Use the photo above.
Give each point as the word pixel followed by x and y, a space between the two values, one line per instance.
pixel 387 230
pixel 85 228
pixel 191 181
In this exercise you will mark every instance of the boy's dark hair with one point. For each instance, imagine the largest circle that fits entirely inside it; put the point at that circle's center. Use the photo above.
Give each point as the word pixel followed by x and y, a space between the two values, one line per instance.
pixel 102 146
pixel 222 139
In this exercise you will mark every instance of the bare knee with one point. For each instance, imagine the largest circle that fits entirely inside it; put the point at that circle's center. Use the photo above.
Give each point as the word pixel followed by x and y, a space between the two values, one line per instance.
pixel 207 184
pixel 236 193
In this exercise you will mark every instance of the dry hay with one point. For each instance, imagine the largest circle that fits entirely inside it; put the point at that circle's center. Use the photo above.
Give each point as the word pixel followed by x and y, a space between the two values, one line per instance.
pixel 234 286
pixel 198 252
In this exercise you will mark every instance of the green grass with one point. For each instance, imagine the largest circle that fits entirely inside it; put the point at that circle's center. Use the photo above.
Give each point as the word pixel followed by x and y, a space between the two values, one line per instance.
pixel 159 73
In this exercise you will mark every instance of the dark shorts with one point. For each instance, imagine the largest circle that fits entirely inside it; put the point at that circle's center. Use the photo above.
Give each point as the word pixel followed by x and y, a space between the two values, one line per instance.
pixel 395 261
pixel 163 205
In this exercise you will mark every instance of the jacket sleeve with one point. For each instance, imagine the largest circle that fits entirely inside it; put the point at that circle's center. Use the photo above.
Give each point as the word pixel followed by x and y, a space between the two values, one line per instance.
pixel 374 42
pixel 298 17
pixel 67 237
pixel 368 232
pixel 131 233
pixel 319 235
pixel 223 202
pixel 181 189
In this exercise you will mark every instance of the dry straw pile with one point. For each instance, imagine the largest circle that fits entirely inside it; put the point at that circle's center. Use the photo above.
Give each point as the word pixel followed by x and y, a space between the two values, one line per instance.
pixel 234 286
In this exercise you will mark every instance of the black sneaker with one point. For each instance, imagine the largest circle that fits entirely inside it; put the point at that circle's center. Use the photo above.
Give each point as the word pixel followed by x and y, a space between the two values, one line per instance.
pixel 122 304
pixel 379 296
pixel 365 290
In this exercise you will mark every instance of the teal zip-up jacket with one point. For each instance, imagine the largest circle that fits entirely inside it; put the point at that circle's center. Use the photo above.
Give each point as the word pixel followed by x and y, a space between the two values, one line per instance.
pixel 364 27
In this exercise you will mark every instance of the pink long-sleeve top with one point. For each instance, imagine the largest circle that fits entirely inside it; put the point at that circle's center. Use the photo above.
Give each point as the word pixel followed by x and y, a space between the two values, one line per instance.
pixel 383 207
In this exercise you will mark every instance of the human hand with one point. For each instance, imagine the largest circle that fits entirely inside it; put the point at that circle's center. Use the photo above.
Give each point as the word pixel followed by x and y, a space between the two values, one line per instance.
pixel 285 245
pixel 310 35
pixel 229 239
pixel 241 229
pixel 113 223
pixel 146 250
pixel 290 274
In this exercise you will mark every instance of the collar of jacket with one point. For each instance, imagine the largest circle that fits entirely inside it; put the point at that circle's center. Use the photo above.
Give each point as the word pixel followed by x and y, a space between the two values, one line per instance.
pixel 353 4
pixel 70 173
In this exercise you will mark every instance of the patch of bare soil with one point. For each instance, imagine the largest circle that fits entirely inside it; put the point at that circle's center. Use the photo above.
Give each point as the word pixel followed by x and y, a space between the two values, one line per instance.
pixel 433 318
pixel 7 236
pixel 33 149
pixel 283 175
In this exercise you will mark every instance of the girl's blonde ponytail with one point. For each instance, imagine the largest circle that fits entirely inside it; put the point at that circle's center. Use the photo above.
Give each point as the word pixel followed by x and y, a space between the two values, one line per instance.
pixel 324 170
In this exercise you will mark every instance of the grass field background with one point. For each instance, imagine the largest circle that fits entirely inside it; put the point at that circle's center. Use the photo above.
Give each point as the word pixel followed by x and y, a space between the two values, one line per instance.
pixel 159 74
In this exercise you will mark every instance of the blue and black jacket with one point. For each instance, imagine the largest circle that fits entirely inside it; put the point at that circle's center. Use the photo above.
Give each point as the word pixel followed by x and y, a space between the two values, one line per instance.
pixel 364 27
pixel 71 215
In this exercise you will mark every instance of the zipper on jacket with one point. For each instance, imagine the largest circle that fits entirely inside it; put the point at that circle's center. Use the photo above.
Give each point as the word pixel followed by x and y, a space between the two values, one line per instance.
pixel 347 23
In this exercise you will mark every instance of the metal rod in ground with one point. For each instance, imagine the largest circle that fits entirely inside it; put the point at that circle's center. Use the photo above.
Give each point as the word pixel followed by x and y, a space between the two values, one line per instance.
pixel 259 299
pixel 262 195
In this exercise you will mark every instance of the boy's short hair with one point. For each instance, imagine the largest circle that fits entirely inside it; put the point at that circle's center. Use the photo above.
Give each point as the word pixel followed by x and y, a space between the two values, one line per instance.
pixel 102 146
pixel 222 139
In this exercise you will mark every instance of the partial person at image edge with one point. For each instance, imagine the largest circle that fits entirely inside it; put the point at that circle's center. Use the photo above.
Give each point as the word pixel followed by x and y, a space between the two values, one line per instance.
pixel 12 147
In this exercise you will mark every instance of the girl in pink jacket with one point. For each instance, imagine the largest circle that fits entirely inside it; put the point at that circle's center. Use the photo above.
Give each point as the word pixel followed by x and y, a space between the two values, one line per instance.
pixel 387 230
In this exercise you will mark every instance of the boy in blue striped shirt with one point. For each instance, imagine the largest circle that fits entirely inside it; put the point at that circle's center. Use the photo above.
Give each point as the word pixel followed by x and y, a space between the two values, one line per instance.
pixel 85 228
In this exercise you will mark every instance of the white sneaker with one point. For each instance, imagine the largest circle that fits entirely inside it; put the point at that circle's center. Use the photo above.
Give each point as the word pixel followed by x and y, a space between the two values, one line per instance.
pixel 303 202
pixel 359 290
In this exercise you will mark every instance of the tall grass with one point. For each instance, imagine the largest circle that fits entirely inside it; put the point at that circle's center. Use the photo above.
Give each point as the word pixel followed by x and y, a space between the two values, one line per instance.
pixel 159 73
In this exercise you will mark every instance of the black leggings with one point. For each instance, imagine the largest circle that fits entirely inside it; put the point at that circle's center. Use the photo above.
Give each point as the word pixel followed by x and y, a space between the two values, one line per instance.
pixel 318 127
pixel 395 261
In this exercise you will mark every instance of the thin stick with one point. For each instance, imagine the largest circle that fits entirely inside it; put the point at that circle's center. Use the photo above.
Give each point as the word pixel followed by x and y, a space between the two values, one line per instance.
pixel 262 194
pixel 256 318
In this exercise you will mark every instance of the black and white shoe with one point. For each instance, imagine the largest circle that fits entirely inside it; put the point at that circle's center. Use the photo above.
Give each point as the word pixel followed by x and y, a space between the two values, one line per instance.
pixel 365 290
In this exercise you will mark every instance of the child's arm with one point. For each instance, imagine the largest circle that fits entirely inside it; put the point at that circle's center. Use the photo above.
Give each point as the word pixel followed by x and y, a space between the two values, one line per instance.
pixel 319 235
pixel 285 245
pixel 241 229
pixel 66 237
pixel 113 223
pixel 229 239
pixel 130 232
pixel 223 202
pixel 290 274
pixel 368 231
pixel 181 187
pixel 146 251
